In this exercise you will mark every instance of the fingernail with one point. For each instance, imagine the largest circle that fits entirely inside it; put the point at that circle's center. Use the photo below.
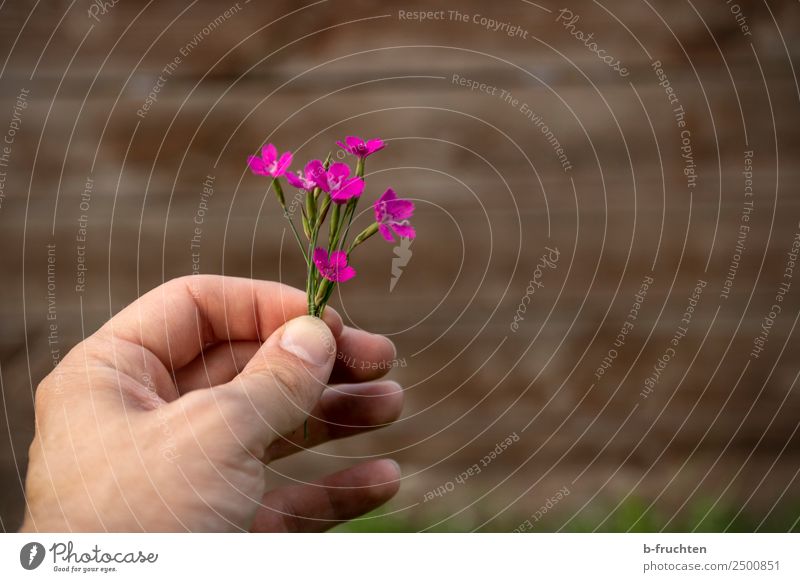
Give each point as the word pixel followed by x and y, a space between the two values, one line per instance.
pixel 396 466
pixel 391 343
pixel 310 339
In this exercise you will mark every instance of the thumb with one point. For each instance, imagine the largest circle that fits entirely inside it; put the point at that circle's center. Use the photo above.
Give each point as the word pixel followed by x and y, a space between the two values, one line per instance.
pixel 285 378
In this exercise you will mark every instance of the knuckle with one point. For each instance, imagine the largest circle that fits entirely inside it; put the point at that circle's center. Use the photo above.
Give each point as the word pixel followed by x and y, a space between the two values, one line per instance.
pixel 180 280
pixel 47 391
pixel 41 397
pixel 292 383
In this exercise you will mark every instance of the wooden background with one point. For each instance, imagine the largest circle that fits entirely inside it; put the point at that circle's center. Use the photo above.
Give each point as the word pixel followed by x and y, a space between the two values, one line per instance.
pixel 719 430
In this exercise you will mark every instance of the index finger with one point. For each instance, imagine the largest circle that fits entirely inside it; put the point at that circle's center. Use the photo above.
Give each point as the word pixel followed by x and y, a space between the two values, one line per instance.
pixel 176 320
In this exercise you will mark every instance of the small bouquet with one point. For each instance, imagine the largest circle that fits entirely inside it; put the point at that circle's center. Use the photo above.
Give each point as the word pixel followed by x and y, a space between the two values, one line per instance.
pixel 331 192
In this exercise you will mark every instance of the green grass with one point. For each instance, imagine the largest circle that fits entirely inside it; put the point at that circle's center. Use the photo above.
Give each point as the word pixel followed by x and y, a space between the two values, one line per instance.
pixel 632 515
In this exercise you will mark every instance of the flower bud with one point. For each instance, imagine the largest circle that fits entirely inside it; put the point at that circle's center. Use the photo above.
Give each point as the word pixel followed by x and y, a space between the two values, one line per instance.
pixel 364 235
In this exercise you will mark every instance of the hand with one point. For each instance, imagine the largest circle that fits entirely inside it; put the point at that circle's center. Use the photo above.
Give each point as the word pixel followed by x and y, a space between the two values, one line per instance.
pixel 166 417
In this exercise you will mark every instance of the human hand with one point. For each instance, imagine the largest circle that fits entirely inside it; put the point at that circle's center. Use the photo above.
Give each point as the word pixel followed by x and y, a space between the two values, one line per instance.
pixel 166 417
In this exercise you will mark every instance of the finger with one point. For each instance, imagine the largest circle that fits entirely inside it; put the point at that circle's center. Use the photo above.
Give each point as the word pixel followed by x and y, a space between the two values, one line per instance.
pixel 362 356
pixel 282 382
pixel 343 411
pixel 177 320
pixel 217 364
pixel 338 497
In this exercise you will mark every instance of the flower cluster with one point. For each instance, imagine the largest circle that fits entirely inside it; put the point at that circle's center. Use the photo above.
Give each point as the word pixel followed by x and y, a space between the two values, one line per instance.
pixel 332 192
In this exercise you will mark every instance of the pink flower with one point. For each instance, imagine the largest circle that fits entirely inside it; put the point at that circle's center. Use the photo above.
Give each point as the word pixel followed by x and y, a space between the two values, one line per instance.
pixel 269 164
pixel 392 214
pixel 361 148
pixel 338 183
pixel 314 170
pixel 335 267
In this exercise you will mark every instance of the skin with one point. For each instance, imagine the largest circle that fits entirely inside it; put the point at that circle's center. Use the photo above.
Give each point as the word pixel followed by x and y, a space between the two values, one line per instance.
pixel 166 417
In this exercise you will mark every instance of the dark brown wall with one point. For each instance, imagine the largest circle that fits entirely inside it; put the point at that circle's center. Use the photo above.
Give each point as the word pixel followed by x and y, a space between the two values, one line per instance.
pixel 719 426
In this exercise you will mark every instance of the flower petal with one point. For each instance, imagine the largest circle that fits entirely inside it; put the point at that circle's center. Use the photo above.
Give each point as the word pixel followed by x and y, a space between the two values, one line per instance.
pixel 283 164
pixel 344 274
pixel 400 209
pixel 314 169
pixel 351 189
pixel 316 175
pixel 354 142
pixel 388 195
pixel 269 154
pixel 256 165
pixel 321 259
pixel 375 145
pixel 338 259
pixel 386 233
pixel 295 180
pixel 405 230
pixel 339 170
pixel 380 206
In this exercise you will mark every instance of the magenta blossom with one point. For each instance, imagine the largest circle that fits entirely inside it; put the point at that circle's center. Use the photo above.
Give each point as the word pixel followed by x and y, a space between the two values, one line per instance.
pixel 360 147
pixel 334 267
pixel 313 171
pixel 338 183
pixel 269 164
pixel 392 214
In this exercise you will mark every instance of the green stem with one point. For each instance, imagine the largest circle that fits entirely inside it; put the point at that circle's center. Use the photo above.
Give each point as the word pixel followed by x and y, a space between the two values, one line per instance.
pixel 297 237
pixel 352 203
pixel 334 227
pixel 348 216
pixel 362 236
pixel 279 193
pixel 311 279
pixel 323 292
pixel 310 285
pixel 325 297
pixel 323 211
pixel 336 240
pixel 311 208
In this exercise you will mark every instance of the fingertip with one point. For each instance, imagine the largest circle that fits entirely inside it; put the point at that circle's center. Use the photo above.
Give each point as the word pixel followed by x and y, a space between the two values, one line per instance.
pixel 389 389
pixel 396 397
pixel 334 321
pixel 309 339
pixel 394 467
pixel 378 480
pixel 390 348
pixel 356 407
pixel 374 483
pixel 388 475
pixel 369 347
